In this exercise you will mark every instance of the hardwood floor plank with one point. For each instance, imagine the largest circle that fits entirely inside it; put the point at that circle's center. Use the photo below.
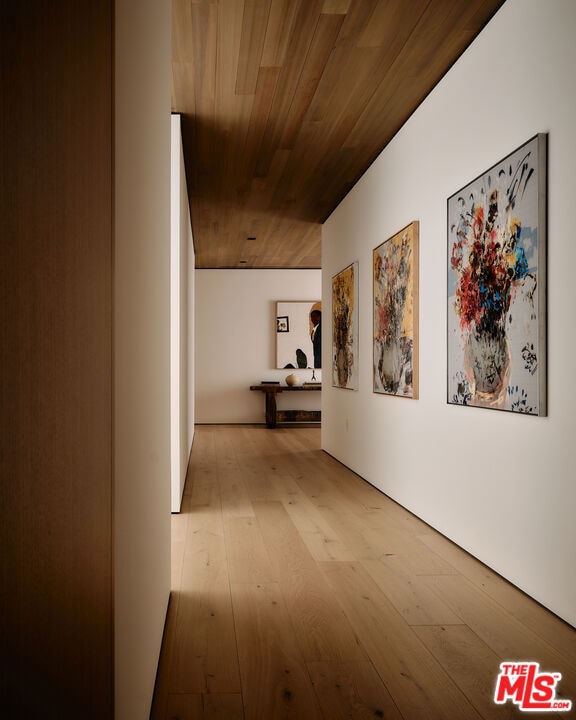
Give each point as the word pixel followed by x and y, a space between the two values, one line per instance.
pixel 204 653
pixel 275 682
pixel 234 495
pixel 248 559
pixel 196 706
pixel 544 623
pixel 317 485
pixel 320 539
pixel 310 439
pixel 201 489
pixel 204 656
pixel 413 599
pixel 370 524
pixel 300 591
pixel 203 453
pixel 248 443
pixel 416 681
pixel 261 487
pixel 222 706
pixel 470 663
pixel 319 625
pixel 224 450
pixel 373 536
pixel 487 618
pixel 184 707
pixel 401 545
pixel 351 690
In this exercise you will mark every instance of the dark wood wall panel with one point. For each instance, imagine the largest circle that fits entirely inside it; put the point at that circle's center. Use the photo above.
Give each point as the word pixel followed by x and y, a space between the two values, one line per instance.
pixel 56 640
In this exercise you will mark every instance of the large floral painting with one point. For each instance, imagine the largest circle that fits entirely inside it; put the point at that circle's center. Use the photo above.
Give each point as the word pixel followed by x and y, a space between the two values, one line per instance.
pixel 496 285
pixel 395 346
pixel 345 328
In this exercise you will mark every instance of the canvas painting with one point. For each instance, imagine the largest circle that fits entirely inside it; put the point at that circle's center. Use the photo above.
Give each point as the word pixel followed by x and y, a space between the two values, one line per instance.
pixel 497 285
pixel 345 328
pixel 395 313
pixel 298 334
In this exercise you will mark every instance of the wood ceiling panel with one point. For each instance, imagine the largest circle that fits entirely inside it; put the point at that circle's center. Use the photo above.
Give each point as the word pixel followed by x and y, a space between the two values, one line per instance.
pixel 319 52
pixel 336 6
pixel 391 22
pixel 254 24
pixel 204 21
pixel 285 103
pixel 263 99
pixel 283 15
pixel 297 51
pixel 230 18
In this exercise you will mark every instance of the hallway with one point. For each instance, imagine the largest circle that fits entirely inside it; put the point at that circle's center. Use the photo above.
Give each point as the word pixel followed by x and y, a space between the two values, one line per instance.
pixel 300 591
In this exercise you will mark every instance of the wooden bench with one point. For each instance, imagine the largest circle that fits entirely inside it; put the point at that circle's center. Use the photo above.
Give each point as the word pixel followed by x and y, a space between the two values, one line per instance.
pixel 274 416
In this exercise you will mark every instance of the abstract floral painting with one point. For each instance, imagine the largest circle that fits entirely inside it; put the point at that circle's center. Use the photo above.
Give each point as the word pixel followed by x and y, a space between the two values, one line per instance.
pixel 395 342
pixel 497 285
pixel 345 328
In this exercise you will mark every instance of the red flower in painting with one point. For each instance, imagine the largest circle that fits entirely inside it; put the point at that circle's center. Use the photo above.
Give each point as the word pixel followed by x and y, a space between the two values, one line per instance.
pixel 478 222
pixel 488 260
pixel 468 298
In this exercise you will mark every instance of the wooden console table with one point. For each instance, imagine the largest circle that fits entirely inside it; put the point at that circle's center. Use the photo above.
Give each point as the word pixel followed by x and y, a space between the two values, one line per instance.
pixel 274 416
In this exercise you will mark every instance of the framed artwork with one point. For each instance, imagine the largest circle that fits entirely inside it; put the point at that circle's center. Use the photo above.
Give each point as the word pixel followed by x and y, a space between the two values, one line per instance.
pixel 298 334
pixel 497 285
pixel 282 324
pixel 395 313
pixel 345 328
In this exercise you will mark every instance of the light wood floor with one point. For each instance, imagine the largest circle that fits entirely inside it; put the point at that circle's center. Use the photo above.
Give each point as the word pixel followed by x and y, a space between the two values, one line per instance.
pixel 300 591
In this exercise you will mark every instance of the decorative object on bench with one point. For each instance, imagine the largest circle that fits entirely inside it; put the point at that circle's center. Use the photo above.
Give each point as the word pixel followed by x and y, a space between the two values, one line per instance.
pixel 293 380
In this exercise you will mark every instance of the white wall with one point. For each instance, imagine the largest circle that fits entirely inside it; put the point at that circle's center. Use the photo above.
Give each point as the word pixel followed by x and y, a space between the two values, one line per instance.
pixel 141 349
pixel 191 339
pixel 181 320
pixel 499 484
pixel 235 341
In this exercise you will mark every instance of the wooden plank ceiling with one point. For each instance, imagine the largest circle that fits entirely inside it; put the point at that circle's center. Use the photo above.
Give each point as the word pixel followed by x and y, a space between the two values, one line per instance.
pixel 286 103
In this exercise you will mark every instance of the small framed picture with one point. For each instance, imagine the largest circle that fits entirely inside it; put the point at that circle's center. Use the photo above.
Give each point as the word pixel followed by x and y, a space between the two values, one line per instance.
pixel 282 324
